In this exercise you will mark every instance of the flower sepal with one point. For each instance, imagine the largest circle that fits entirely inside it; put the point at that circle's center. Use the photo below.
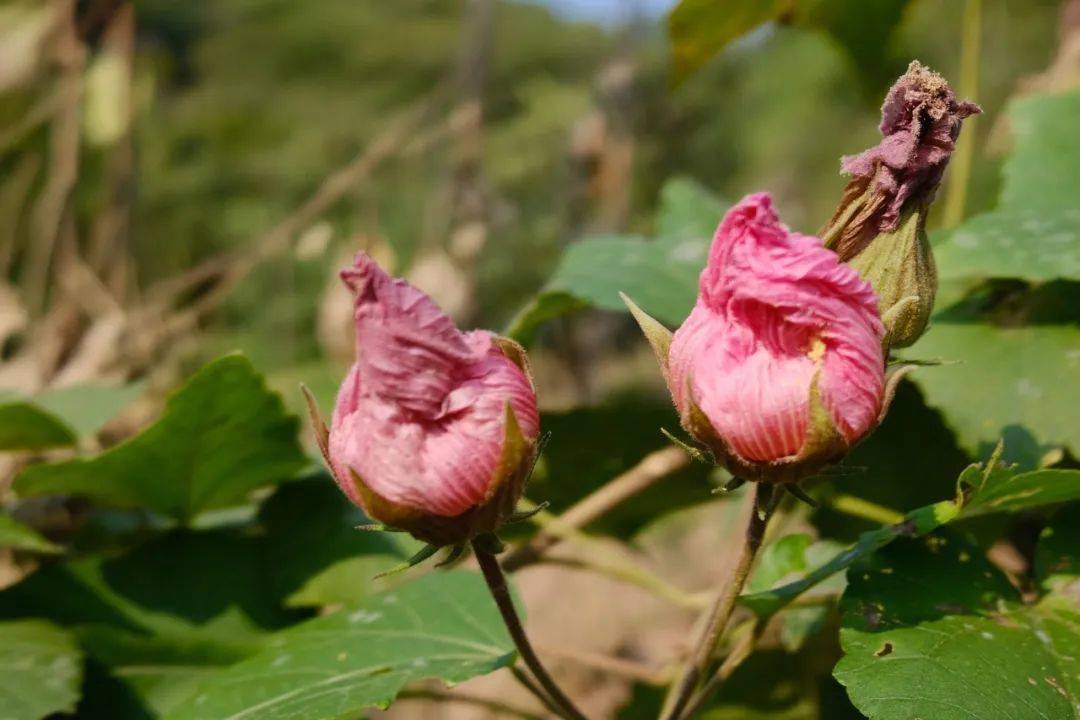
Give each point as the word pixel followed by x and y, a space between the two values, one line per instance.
pixel 824 444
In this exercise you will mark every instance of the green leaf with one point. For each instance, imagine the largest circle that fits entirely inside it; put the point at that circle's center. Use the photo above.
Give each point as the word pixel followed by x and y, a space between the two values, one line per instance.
pixel 659 274
pixel 1057 557
pixel 1043 170
pixel 86 408
pixel 790 555
pixel 25 426
pixel 917 522
pixel 1008 491
pixel 442 625
pixel 165 614
pixel 699 29
pixel 1007 377
pixel 13 534
pixel 778 559
pixel 548 305
pixel 864 30
pixel 222 435
pixel 319 557
pixel 40 670
pixel 932 630
pixel 1034 245
pixel 688 211
pixel 59 418
pixel 981 489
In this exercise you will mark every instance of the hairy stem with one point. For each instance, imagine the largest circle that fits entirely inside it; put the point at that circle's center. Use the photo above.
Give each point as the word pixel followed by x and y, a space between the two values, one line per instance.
pixel 765 501
pixel 731 663
pixel 496 582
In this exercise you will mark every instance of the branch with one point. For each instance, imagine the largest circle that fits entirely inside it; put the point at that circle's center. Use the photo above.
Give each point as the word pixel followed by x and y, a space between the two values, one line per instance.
pixel 609 664
pixel 653 467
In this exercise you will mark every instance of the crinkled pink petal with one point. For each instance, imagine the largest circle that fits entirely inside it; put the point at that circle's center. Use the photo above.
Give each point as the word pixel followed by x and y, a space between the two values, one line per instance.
pixel 775 309
pixel 421 416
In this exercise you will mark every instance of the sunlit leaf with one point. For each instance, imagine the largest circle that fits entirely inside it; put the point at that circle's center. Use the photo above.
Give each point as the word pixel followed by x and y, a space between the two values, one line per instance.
pixel 1034 245
pixel 1043 170
pixel 442 625
pixel 1009 381
pixel 222 435
pixel 40 670
pixel 932 630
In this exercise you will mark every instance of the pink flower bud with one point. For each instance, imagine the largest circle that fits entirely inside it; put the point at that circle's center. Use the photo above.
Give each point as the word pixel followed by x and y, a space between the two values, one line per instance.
pixel 779 367
pixel 434 428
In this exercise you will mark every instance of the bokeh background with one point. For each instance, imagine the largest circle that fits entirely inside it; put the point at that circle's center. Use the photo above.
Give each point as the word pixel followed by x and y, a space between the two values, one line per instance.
pixel 179 180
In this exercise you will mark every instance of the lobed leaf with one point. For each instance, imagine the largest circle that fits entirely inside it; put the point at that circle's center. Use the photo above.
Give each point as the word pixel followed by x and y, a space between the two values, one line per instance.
pixel 1030 244
pixel 659 274
pixel 1011 381
pixel 442 625
pixel 222 435
pixel 931 629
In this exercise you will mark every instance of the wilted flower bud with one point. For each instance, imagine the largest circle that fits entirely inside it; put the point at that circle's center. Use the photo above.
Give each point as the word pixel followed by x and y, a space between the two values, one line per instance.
pixel 779 368
pixel 434 429
pixel 880 225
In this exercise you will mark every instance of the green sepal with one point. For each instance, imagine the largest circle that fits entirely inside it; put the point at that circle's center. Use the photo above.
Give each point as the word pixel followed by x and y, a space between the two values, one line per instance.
pixel 695 453
pixel 523 515
pixel 455 552
pixel 423 554
pixel 659 337
pixel 730 486
pixel 799 494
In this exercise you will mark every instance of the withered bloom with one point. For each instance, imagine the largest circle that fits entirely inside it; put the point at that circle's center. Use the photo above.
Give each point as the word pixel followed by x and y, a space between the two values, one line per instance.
pixel 879 227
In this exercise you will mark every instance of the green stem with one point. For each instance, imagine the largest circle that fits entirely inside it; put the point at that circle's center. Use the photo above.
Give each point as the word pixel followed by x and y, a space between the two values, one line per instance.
pixel 765 501
pixel 964 156
pixel 857 507
pixel 496 582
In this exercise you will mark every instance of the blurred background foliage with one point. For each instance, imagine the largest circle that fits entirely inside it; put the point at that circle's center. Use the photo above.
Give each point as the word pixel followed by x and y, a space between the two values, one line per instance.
pixel 179 180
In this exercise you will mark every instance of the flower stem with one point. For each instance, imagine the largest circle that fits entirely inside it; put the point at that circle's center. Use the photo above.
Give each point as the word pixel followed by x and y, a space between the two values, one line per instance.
pixel 496 582
pixel 766 498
